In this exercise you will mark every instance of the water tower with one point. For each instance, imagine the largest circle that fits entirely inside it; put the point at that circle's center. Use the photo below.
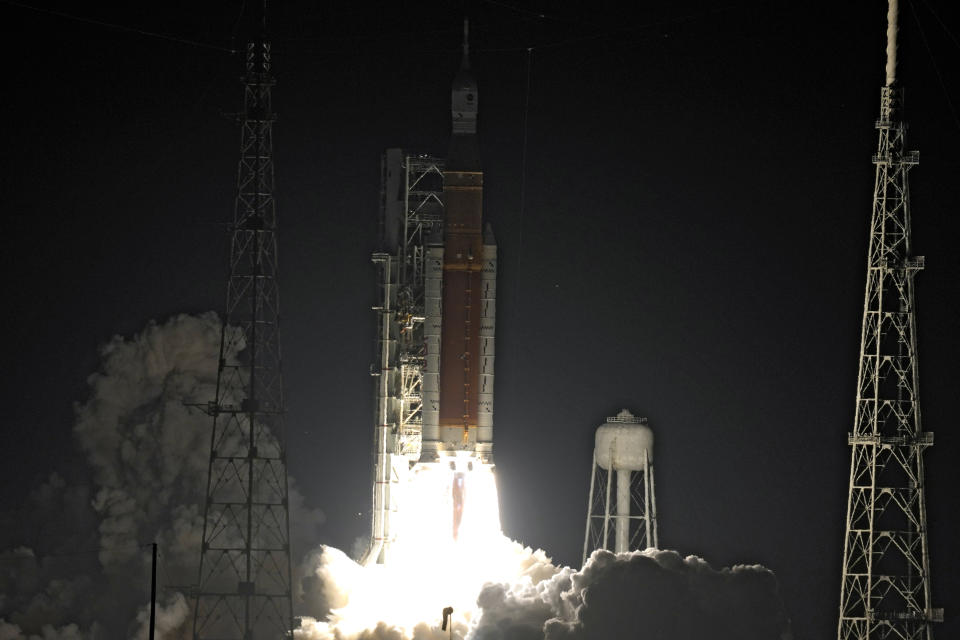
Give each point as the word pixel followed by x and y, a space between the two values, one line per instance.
pixel 622 513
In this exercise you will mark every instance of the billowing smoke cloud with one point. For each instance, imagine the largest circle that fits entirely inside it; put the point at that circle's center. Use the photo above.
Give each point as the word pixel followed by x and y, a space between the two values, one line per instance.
pixel 79 550
pixel 147 448
pixel 170 622
pixel 75 557
pixel 48 632
pixel 648 594
pixel 657 592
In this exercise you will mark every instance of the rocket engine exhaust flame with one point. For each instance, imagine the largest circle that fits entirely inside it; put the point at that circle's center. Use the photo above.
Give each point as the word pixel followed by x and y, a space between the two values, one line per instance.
pixel 448 545
pixel 459 496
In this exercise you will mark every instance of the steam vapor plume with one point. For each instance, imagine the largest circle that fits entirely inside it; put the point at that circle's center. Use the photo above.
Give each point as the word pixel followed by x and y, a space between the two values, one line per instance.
pixel 74 559
pixel 75 565
pixel 654 594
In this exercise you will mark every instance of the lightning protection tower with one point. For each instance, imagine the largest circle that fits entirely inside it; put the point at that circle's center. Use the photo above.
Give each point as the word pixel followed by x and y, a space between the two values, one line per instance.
pixel 622 455
pixel 885 590
pixel 244 584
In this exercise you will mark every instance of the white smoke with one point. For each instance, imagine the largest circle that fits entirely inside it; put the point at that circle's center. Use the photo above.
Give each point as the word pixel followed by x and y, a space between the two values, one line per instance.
pixel 668 596
pixel 405 601
pixel 80 551
pixel 76 564
pixel 171 619
pixel 47 632
pixel 654 593
pixel 892 9
pixel 145 447
pixel 44 581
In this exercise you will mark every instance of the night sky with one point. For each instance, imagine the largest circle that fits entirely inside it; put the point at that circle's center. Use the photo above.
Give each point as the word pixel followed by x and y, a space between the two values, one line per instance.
pixel 691 245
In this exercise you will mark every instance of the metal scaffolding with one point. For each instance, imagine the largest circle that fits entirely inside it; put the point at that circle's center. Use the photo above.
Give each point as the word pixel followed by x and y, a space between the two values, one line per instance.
pixel 885 591
pixel 244 583
pixel 411 212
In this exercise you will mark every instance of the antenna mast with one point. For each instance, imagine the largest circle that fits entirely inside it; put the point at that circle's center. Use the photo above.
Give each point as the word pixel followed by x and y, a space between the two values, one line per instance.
pixel 885 591
pixel 244 587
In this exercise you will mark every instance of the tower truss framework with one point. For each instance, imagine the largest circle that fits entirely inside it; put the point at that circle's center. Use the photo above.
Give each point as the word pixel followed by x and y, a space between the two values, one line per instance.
pixel 622 511
pixel 885 592
pixel 244 589
pixel 411 213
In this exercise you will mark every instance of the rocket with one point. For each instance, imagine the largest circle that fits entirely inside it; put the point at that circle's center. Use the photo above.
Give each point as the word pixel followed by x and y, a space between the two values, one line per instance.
pixel 460 300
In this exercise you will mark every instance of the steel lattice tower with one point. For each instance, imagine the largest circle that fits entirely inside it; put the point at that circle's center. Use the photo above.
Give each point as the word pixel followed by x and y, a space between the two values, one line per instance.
pixel 885 592
pixel 244 589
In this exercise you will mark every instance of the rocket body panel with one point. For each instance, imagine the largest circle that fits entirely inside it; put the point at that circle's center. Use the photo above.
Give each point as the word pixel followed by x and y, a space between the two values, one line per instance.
pixel 460 347
pixel 488 312
pixel 468 320
pixel 459 316
pixel 432 332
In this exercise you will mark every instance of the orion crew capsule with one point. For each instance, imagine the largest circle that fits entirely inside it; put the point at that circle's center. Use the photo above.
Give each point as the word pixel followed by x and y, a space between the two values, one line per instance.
pixel 460 299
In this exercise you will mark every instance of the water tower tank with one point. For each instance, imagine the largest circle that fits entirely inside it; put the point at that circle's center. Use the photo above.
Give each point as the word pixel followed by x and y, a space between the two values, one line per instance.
pixel 622 441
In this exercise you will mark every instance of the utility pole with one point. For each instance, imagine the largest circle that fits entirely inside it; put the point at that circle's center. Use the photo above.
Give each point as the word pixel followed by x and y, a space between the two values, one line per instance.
pixel 244 587
pixel 153 593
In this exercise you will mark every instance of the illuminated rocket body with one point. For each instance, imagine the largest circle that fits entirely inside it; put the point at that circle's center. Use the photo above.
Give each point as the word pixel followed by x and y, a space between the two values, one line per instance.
pixel 460 300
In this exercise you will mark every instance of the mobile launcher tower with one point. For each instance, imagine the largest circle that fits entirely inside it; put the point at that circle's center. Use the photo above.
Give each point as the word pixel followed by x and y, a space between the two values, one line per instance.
pixel 436 315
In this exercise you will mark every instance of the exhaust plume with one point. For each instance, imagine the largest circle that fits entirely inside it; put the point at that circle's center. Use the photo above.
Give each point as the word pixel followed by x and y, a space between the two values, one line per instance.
pixel 652 593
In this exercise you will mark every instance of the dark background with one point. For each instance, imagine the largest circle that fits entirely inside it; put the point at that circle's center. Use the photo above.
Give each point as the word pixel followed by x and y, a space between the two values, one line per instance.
pixel 697 193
